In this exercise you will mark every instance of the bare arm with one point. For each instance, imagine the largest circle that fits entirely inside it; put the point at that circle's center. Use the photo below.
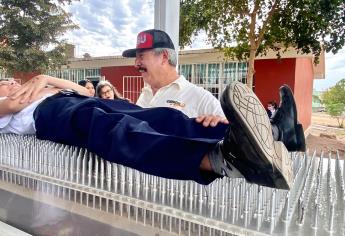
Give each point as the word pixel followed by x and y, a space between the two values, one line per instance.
pixel 10 106
pixel 29 91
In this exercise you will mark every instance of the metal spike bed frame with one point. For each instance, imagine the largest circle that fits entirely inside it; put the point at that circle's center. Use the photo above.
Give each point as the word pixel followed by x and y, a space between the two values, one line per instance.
pixel 313 206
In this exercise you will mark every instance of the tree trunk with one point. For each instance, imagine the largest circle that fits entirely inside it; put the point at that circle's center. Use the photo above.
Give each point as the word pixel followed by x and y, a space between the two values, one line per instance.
pixel 251 70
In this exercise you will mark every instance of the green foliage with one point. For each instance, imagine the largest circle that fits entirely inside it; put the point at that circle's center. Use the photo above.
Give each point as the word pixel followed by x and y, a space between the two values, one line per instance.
pixel 238 26
pixel 334 100
pixel 316 98
pixel 29 35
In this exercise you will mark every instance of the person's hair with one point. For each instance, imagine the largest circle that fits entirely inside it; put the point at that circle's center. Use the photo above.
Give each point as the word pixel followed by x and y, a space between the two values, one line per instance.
pixel 83 82
pixel 274 104
pixel 171 55
pixel 104 83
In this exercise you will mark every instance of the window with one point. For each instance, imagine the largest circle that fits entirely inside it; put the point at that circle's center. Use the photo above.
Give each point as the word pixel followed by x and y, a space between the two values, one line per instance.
pixel 213 73
pixel 200 73
pixel 235 71
pixel 186 71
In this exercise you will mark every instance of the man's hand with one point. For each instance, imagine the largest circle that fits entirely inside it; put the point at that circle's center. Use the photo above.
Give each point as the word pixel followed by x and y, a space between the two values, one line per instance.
pixel 211 120
pixel 30 90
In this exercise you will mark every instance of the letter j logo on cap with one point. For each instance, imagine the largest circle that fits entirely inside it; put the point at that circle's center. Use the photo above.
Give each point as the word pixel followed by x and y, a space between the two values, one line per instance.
pixel 144 40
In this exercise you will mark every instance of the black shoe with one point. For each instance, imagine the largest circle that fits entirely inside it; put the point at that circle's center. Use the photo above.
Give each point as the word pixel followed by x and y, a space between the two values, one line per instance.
pixel 249 144
pixel 285 119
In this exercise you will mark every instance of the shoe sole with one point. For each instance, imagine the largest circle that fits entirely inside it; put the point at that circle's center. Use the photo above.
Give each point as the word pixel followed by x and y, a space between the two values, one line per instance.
pixel 247 113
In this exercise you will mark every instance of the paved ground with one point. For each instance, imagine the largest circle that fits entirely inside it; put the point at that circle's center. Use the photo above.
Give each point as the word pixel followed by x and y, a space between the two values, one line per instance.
pixel 325 135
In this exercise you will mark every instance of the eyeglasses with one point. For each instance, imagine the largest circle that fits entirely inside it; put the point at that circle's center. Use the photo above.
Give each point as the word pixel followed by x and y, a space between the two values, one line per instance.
pixel 108 91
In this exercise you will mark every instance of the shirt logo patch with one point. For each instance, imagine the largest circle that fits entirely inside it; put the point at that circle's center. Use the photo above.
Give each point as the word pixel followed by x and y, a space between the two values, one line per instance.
pixel 176 104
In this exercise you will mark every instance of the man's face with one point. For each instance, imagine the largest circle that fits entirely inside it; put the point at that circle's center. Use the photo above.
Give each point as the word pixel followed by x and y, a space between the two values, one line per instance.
pixel 7 86
pixel 106 92
pixel 148 64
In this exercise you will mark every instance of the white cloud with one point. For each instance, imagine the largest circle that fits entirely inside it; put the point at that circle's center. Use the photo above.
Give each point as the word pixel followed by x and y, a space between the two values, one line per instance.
pixel 108 27
pixel 199 42
pixel 335 70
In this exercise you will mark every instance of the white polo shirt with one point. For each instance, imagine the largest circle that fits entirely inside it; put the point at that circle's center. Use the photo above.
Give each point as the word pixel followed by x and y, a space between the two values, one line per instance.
pixel 21 122
pixel 184 96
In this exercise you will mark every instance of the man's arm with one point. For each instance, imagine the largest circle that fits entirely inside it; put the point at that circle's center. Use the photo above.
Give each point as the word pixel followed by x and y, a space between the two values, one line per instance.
pixel 10 106
pixel 30 90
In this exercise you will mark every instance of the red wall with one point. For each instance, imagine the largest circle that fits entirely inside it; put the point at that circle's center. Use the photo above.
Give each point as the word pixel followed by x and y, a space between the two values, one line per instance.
pixel 25 76
pixel 304 90
pixel 270 74
pixel 114 74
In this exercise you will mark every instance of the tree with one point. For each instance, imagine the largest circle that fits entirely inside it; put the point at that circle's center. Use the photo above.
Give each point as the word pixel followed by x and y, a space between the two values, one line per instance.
pixel 29 35
pixel 243 29
pixel 334 100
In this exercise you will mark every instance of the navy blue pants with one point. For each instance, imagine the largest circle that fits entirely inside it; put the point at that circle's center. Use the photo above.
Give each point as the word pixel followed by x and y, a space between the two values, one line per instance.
pixel 158 141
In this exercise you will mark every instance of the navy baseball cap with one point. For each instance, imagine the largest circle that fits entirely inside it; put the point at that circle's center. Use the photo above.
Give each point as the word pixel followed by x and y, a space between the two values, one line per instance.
pixel 150 39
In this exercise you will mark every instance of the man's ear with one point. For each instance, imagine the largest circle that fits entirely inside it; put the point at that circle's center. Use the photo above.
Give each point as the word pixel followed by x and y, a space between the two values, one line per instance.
pixel 165 55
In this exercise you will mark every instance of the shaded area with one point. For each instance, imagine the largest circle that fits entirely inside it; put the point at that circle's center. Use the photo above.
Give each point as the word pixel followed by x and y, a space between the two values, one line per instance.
pixel 41 219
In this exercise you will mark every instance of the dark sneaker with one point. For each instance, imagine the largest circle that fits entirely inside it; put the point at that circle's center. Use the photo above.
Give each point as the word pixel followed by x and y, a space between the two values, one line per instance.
pixel 285 119
pixel 249 144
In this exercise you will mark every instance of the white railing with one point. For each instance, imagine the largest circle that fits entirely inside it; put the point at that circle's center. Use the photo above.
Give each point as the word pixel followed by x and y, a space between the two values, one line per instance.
pixel 132 86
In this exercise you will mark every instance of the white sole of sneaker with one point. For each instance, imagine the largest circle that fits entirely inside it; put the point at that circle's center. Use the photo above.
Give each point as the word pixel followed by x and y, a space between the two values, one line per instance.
pixel 286 163
pixel 247 112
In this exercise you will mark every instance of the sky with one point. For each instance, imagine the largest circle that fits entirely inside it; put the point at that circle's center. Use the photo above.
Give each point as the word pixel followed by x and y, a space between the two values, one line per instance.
pixel 108 27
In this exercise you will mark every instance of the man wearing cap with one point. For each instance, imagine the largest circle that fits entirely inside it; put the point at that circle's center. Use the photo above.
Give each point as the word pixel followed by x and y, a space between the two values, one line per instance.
pixel 156 60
